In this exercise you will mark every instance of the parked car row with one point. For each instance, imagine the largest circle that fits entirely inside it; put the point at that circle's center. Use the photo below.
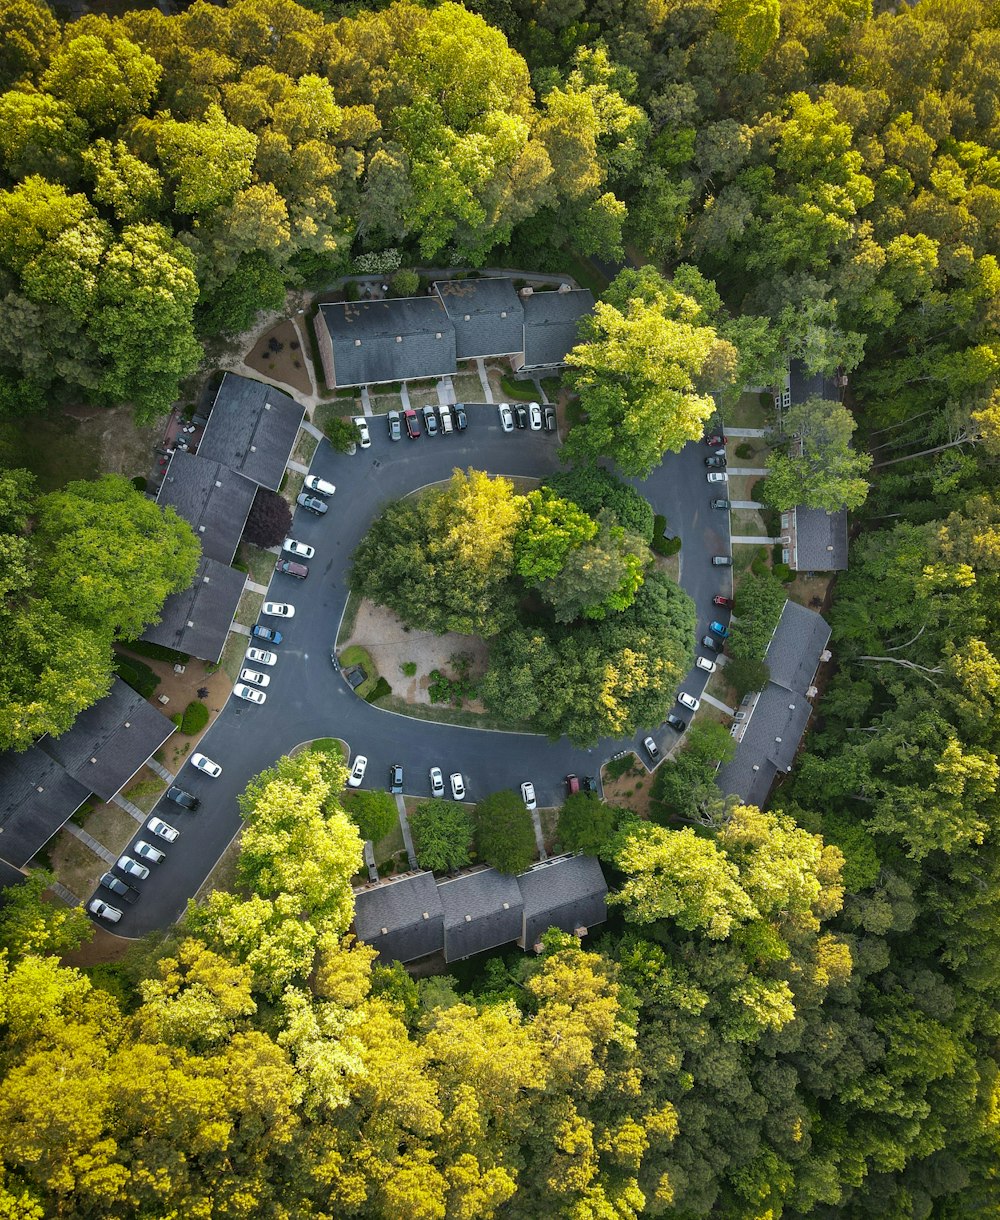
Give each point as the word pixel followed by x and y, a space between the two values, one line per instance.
pixel 435 778
pixel 444 420
pixel 135 867
pixel 532 416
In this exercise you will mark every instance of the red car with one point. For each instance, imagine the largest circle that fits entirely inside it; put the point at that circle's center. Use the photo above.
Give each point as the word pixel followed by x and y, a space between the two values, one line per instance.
pixel 715 439
pixel 719 600
pixel 412 423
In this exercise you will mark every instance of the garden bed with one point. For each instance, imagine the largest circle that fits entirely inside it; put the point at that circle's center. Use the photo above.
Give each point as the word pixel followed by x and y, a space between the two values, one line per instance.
pixel 286 363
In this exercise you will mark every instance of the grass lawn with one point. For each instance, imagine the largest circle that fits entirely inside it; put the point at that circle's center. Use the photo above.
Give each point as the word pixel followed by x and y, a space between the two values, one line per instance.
pixel 329 745
pixel 248 611
pixel 74 865
pixel 305 446
pixel 350 616
pixel 111 825
pixel 354 654
pixel 523 391
pixel 549 819
pixel 234 653
pixel 421 396
pixel 386 848
pixel 749 412
pixel 450 715
pixel 747 521
pixel 343 408
pixel 381 403
pixel 291 486
pixel 468 387
pixel 257 562
pixel 146 789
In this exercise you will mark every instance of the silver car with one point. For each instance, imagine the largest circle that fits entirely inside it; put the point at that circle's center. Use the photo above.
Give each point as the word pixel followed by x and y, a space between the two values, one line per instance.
pixel 506 418
pixel 132 868
pixel 146 851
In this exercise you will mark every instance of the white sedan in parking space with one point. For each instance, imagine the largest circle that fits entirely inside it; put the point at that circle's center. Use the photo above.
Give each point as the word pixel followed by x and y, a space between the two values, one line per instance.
pixel 255 676
pixel 364 436
pixel 250 693
pixel 132 868
pixel 705 664
pixel 436 781
pixel 204 764
pixel 457 786
pixel 688 701
pixel 506 418
pixel 318 485
pixel 302 549
pixel 158 827
pixel 279 609
pixel 717 476
pixel 146 851
pixel 261 656
pixel 104 910
pixel 528 794
pixel 357 772
pixel 534 417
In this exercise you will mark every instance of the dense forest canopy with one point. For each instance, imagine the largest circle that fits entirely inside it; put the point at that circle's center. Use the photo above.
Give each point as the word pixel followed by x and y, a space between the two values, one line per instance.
pixel 794 1012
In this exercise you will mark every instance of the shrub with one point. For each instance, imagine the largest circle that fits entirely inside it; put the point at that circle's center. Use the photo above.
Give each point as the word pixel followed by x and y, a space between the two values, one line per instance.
pixel 158 652
pixel 766 400
pixel 378 262
pixel 351 291
pixel 380 689
pixel 341 433
pixel 374 813
pixel 666 546
pixel 745 674
pixel 194 719
pixel 442 832
pixel 139 676
pixel 586 824
pixel 618 767
pixel 759 565
pixel 404 284
pixel 783 572
pixel 505 836
pixel 744 450
pixel 409 668
pixel 139 483
pixel 269 519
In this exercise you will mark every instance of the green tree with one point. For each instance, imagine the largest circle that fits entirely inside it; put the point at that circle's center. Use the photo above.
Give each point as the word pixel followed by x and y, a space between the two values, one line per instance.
pixel 586 823
pixel 106 79
pixel 29 33
pixel 746 674
pixel 759 602
pixel 374 814
pixel 685 786
pixel 820 470
pixel 554 529
pixel 753 25
pixel 599 575
pixel 31 925
pixel 637 370
pixel 505 836
pixel 442 832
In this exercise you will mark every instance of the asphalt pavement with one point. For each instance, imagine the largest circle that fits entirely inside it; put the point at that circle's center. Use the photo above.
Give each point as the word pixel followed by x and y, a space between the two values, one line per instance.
pixel 309 698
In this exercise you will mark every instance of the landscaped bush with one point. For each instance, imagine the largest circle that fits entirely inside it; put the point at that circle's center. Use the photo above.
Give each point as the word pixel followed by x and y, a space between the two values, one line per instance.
pixel 139 483
pixel 139 676
pixel 746 674
pixel 523 390
pixel 194 719
pixel 783 572
pixel 378 262
pixel 404 283
pixel 380 689
pixel 759 602
pixel 744 450
pixel 666 546
pixel 618 767
pixel 158 652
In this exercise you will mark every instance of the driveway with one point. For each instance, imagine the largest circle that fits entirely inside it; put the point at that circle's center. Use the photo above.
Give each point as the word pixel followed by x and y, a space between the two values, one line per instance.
pixel 308 698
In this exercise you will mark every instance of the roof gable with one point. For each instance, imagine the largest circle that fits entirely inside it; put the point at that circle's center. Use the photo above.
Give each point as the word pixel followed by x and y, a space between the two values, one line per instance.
pixel 393 340
pixel 251 429
pixel 197 620
pixel 566 892
pixel 37 796
pixel 402 919
pixel 820 540
pixel 768 746
pixel 212 499
pixel 482 910
pixel 794 653
pixel 487 316
pixel 550 325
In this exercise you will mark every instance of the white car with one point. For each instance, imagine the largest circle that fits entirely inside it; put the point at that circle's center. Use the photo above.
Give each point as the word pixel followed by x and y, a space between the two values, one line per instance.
pixel 688 701
pixel 146 851
pixel 158 827
pixel 318 485
pixel 534 417
pixel 437 781
pixel 261 656
pixel 361 424
pixel 357 772
pixel 302 549
pixel 457 786
pixel 528 794
pixel 705 664
pixel 250 693
pixel 506 418
pixel 279 609
pixel 255 677
pixel 717 476
pixel 652 749
pixel 104 910
pixel 203 763
pixel 132 868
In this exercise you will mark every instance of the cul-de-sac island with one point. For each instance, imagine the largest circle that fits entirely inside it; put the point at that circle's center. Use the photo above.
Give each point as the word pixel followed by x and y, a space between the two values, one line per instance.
pixel 499 529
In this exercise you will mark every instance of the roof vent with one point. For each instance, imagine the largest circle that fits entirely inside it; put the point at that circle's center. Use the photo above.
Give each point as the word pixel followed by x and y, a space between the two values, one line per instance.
pixel 506 906
pixel 438 335
pixel 399 338
pixel 468 919
pixel 267 406
pixel 205 579
pixel 39 788
pixel 128 724
pixel 755 767
pixel 385 931
pixel 426 915
pixel 93 760
pixel 357 342
pixel 190 622
pixel 526 292
pixel 503 313
pixel 778 740
pixel 253 448
pixel 791 707
pixel 829 548
pixel 468 317
pixel 218 482
pixel 201 529
pixel 565 288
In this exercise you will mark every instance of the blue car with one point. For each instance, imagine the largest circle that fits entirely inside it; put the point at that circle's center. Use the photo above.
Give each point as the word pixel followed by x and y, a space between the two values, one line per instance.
pixel 720 631
pixel 260 632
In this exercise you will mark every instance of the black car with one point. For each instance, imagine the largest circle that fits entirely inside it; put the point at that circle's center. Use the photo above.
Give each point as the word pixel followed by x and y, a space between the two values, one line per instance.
pixel 715 461
pixel 260 632
pixel 675 722
pixel 549 419
pixel 119 887
pixel 723 504
pixel 396 778
pixel 185 799
pixel 711 643
pixel 521 416
pixel 461 419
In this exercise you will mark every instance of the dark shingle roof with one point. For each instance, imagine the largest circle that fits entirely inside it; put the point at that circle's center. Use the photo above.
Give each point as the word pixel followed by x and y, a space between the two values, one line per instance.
pixel 110 741
pixel 796 646
pixel 212 499
pixel 410 912
pixel 394 340
pixel 197 620
pixel 481 910
pixel 9 875
pixel 252 429
pixel 567 892
pixel 550 325
pixel 37 797
pixel 820 540
pixel 486 314
pixel 803 384
pixel 779 713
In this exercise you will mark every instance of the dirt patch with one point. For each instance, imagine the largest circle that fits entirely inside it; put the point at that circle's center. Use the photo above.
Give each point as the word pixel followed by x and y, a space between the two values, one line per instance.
pixel 392 645
pixel 277 354
pixel 103 949
pixel 631 790
pixel 811 591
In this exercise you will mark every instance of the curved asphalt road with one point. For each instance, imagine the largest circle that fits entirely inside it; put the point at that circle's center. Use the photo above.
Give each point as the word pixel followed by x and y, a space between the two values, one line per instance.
pixel 308 698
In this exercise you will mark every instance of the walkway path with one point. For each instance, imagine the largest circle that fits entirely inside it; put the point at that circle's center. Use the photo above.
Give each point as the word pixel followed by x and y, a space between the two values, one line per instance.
pixel 307 363
pixel 484 380
pixel 366 400
pixel 754 539
pixel 132 810
pixel 404 395
pixel 748 432
pixel 254 587
pixel 404 825
pixel 707 698
pixel 370 860
pixel 761 470
pixel 160 770
pixel 746 504
pixel 536 821
pixel 445 391
pixel 306 426
pixel 297 467
pixel 89 841
pixel 66 895
pixel 240 629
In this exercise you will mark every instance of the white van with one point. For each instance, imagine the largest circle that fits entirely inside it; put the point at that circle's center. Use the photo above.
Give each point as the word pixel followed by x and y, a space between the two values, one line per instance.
pixel 447 420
